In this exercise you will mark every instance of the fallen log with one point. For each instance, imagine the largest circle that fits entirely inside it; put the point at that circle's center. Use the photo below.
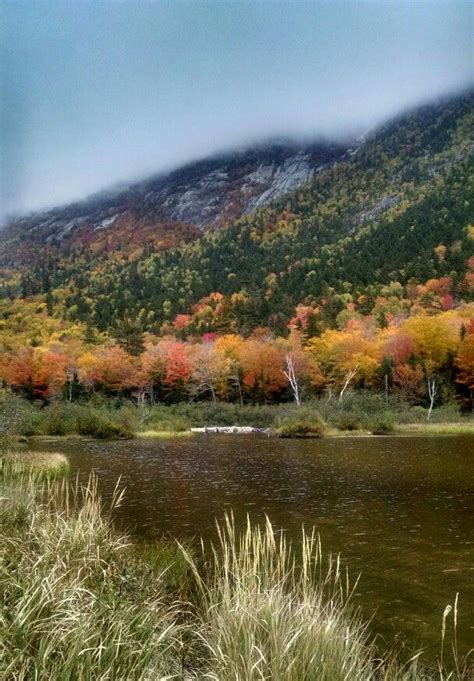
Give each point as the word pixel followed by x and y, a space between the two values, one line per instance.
pixel 230 430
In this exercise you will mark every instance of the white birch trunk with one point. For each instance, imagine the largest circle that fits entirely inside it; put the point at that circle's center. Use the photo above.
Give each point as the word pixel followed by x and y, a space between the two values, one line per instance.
pixel 432 393
pixel 349 376
pixel 291 377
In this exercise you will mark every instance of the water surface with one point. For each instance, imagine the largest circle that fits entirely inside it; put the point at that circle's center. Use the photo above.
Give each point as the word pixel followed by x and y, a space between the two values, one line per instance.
pixel 400 510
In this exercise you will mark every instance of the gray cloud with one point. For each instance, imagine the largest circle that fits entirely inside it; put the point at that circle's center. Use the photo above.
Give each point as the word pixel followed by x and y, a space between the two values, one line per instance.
pixel 97 93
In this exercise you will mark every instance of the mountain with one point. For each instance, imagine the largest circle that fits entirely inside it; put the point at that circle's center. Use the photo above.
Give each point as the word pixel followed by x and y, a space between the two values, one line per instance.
pixel 268 229
pixel 176 206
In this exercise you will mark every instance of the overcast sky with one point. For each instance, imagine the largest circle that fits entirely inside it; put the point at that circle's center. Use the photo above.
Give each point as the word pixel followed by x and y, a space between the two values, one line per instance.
pixel 94 93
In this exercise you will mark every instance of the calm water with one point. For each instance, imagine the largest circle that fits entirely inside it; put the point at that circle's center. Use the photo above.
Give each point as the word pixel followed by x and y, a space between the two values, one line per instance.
pixel 399 510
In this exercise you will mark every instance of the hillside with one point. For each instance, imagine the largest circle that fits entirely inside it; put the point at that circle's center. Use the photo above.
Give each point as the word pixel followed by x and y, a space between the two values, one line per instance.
pixel 394 209
pixel 172 207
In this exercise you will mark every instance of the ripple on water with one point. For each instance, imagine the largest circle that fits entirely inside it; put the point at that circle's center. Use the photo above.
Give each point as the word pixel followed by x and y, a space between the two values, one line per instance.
pixel 400 510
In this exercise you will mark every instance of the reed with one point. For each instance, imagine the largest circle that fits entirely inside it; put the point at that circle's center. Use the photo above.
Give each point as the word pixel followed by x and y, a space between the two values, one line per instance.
pixel 268 611
pixel 71 611
pixel 43 464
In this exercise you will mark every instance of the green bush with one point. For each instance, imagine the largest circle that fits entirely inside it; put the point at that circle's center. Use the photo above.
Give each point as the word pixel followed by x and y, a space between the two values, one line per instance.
pixel 383 424
pixel 59 419
pixel 301 427
pixel 95 423
pixel 158 420
pixel 347 421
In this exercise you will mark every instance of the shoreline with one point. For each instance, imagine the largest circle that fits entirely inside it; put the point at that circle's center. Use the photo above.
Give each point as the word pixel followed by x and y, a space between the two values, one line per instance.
pixel 399 430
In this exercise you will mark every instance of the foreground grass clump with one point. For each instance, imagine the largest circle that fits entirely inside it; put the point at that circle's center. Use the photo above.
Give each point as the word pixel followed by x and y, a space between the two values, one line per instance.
pixel 264 618
pixel 268 611
pixel 74 606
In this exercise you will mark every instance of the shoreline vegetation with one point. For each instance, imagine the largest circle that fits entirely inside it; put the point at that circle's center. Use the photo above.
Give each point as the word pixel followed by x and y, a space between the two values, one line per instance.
pixel 84 602
pixel 360 413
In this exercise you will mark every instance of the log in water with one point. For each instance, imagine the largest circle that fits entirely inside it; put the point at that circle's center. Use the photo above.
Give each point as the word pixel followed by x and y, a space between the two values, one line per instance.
pixel 230 430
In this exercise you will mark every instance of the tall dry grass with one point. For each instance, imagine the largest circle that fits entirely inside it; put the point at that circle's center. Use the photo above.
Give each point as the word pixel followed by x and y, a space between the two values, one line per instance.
pixel 267 611
pixel 69 608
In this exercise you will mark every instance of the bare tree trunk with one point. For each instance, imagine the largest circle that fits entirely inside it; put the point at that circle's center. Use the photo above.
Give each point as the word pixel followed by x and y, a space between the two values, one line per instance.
pixel 236 382
pixel 432 393
pixel 386 388
pixel 141 398
pixel 291 377
pixel 349 376
pixel 70 381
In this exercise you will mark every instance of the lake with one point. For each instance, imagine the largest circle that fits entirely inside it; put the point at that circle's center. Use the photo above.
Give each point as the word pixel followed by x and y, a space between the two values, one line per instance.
pixel 400 510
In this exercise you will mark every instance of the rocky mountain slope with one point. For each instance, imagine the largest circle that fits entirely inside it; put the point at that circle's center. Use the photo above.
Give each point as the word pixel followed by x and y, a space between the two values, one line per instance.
pixel 181 204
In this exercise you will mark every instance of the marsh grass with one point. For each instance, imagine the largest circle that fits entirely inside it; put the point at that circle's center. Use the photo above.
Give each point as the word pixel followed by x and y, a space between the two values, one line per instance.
pixel 466 427
pixel 301 426
pixel 265 616
pixel 163 434
pixel 42 464
pixel 70 608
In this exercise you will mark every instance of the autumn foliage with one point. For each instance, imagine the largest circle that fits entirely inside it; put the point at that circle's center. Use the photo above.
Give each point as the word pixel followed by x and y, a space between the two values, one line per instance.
pixel 412 342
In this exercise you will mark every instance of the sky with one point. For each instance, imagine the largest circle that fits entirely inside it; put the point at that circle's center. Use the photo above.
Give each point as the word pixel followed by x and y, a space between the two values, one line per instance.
pixel 95 93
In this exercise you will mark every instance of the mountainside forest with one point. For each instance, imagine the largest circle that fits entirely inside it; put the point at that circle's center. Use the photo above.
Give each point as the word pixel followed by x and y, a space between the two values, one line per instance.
pixel 344 265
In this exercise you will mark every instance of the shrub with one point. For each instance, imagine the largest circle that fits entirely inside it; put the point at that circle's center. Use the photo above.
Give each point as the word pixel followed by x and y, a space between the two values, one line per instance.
pixel 347 421
pixel 59 419
pixel 93 422
pixel 301 427
pixel 383 424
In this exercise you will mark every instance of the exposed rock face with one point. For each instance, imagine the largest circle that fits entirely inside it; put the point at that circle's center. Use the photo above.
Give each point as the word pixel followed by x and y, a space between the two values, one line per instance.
pixel 204 195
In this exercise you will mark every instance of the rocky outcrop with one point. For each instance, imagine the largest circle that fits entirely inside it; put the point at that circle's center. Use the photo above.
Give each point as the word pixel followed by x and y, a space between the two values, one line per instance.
pixel 205 195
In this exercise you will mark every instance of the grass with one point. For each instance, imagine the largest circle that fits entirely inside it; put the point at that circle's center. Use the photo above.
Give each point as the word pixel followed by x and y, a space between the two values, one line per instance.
pixel 262 617
pixel 77 605
pixel 43 464
pixel 428 428
pixel 163 434
pixel 84 603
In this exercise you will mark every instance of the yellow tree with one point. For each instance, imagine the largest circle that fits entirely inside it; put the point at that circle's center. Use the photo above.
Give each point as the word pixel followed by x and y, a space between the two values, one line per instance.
pixel 211 370
pixel 346 356
pixel 435 338
pixel 231 347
